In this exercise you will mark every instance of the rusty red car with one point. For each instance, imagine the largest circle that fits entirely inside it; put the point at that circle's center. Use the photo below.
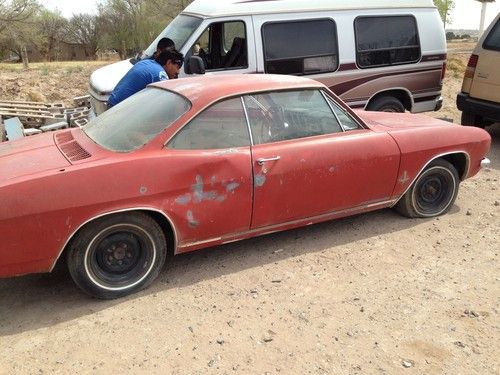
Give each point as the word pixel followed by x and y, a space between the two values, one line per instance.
pixel 196 162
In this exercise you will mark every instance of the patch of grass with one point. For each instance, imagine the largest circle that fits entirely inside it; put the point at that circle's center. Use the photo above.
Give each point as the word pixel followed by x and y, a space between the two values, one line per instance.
pixel 456 67
pixel 44 70
pixel 73 69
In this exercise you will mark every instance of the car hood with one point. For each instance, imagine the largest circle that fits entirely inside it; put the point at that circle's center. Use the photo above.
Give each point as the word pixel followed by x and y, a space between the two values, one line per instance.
pixel 104 79
pixel 29 156
pixel 387 121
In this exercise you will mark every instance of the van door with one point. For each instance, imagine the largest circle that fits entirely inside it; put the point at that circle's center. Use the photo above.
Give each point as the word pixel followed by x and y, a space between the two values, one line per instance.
pixel 486 82
pixel 226 45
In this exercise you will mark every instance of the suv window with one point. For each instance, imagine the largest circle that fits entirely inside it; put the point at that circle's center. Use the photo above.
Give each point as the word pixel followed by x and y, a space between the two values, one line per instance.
pixel 279 116
pixel 492 41
pixel 223 125
pixel 300 47
pixel 389 40
pixel 223 46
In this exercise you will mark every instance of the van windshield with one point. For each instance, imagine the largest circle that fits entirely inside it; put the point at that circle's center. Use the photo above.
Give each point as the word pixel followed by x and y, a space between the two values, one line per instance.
pixel 179 30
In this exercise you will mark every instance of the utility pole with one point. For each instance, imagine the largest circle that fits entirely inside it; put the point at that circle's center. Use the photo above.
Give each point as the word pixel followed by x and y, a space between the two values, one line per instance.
pixel 484 3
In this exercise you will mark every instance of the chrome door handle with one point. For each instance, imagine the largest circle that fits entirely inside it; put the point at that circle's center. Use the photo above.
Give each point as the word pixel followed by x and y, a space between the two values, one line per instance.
pixel 261 161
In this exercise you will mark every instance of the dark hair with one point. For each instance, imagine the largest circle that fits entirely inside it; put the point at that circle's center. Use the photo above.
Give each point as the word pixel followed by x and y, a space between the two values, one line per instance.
pixel 170 54
pixel 165 43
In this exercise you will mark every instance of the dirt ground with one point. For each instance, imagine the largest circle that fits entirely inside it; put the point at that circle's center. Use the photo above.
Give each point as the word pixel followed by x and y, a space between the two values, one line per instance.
pixel 370 294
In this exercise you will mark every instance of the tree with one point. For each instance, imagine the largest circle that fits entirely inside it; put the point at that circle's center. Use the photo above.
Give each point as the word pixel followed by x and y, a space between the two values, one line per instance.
pixel 445 7
pixel 85 29
pixel 15 11
pixel 52 28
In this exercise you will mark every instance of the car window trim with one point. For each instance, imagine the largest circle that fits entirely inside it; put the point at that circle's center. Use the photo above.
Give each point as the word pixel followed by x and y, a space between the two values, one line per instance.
pixel 361 127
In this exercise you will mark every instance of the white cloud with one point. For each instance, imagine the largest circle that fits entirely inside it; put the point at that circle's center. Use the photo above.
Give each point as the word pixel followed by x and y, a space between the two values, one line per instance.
pixel 467 14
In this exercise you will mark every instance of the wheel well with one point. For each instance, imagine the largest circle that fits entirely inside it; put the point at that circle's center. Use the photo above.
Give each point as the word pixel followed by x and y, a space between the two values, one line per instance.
pixel 460 162
pixel 162 221
pixel 401 95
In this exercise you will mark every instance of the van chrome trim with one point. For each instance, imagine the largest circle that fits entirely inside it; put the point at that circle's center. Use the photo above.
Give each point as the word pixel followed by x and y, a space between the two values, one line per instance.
pixel 465 174
pixel 262 231
pixel 117 212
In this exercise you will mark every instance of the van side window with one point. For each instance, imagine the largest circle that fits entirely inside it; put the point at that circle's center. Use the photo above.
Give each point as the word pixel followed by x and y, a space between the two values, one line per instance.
pixel 383 41
pixel 223 46
pixel 300 47
pixel 492 41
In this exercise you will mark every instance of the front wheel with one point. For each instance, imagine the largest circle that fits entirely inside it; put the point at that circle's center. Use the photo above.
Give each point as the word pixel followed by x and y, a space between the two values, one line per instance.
pixel 117 255
pixel 433 193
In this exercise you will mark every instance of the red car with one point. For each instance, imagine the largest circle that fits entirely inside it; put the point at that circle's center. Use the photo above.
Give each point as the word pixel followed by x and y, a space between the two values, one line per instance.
pixel 196 162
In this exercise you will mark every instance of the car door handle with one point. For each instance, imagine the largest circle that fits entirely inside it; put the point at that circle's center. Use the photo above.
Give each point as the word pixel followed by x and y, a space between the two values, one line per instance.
pixel 261 161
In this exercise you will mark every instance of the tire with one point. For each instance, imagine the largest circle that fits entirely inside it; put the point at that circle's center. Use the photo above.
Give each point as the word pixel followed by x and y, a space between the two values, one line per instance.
pixel 117 255
pixel 3 135
pixel 386 104
pixel 470 119
pixel 433 192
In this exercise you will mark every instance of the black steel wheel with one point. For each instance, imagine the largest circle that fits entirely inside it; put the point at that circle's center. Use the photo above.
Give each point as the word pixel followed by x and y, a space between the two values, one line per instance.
pixel 117 255
pixel 433 192
pixel 386 104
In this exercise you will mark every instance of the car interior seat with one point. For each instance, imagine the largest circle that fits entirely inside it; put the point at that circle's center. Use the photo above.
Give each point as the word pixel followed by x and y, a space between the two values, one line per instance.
pixel 236 56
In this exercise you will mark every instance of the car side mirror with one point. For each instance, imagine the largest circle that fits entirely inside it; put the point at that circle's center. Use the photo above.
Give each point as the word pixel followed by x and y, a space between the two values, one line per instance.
pixel 195 65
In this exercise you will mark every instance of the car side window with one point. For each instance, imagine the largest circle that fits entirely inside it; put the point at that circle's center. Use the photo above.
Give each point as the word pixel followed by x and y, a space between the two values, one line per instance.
pixel 300 47
pixel 223 125
pixel 345 119
pixel 223 46
pixel 279 116
pixel 386 40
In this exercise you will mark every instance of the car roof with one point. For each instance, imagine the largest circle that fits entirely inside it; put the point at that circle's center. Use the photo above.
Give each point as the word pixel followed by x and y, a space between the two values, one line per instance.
pixel 209 88
pixel 211 8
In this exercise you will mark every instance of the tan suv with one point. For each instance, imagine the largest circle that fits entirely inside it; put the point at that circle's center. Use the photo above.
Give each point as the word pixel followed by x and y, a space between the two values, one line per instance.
pixel 479 100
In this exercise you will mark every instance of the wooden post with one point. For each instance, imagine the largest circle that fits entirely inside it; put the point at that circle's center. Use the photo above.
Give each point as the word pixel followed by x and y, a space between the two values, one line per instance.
pixel 24 56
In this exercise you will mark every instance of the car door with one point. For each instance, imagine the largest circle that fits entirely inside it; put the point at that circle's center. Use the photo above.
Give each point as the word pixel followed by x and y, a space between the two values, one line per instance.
pixel 311 158
pixel 213 176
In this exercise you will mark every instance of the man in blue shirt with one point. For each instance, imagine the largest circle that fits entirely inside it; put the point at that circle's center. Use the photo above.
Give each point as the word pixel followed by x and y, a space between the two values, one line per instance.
pixel 165 66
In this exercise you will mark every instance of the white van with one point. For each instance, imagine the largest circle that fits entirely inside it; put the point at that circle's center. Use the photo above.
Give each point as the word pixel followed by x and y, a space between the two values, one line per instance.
pixel 379 55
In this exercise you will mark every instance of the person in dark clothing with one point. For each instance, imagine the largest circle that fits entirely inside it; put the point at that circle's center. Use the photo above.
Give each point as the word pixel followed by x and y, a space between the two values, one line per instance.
pixel 165 66
pixel 163 44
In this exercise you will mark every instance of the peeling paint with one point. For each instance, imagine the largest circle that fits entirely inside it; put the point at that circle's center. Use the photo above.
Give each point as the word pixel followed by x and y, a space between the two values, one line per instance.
pixel 183 199
pixel 227 152
pixel 230 188
pixel 404 178
pixel 260 180
pixel 199 195
pixel 332 169
pixel 143 190
pixel 191 220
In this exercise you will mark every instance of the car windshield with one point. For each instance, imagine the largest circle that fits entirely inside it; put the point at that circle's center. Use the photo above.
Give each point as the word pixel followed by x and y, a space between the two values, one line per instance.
pixel 179 30
pixel 134 122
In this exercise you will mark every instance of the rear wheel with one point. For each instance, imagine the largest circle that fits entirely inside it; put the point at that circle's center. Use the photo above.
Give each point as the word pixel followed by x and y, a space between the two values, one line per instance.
pixel 386 104
pixel 470 119
pixel 433 192
pixel 117 255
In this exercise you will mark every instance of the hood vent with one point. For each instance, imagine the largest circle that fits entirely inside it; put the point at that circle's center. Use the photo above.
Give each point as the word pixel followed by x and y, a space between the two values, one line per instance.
pixel 71 148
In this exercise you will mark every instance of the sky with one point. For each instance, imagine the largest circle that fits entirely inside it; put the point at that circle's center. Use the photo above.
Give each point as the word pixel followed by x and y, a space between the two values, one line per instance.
pixel 466 14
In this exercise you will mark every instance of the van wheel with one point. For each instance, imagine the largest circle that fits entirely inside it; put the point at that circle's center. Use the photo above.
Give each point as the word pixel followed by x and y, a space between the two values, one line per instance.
pixel 117 255
pixel 386 104
pixel 470 119
pixel 433 192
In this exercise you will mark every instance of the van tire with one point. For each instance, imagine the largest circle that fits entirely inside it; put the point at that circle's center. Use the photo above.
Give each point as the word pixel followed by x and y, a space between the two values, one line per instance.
pixel 470 119
pixel 386 104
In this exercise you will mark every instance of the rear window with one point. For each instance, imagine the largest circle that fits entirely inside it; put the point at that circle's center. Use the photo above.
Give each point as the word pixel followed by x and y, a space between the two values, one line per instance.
pixel 300 47
pixel 134 122
pixel 387 40
pixel 492 42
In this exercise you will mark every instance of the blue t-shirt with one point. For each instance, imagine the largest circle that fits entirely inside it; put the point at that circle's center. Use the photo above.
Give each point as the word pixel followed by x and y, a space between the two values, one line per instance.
pixel 142 74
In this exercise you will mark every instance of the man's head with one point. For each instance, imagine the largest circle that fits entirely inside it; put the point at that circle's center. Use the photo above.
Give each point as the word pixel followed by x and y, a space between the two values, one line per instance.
pixel 172 61
pixel 163 44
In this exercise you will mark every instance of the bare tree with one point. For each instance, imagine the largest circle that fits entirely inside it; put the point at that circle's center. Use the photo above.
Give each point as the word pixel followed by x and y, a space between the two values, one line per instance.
pixel 52 27
pixel 85 30
pixel 15 11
